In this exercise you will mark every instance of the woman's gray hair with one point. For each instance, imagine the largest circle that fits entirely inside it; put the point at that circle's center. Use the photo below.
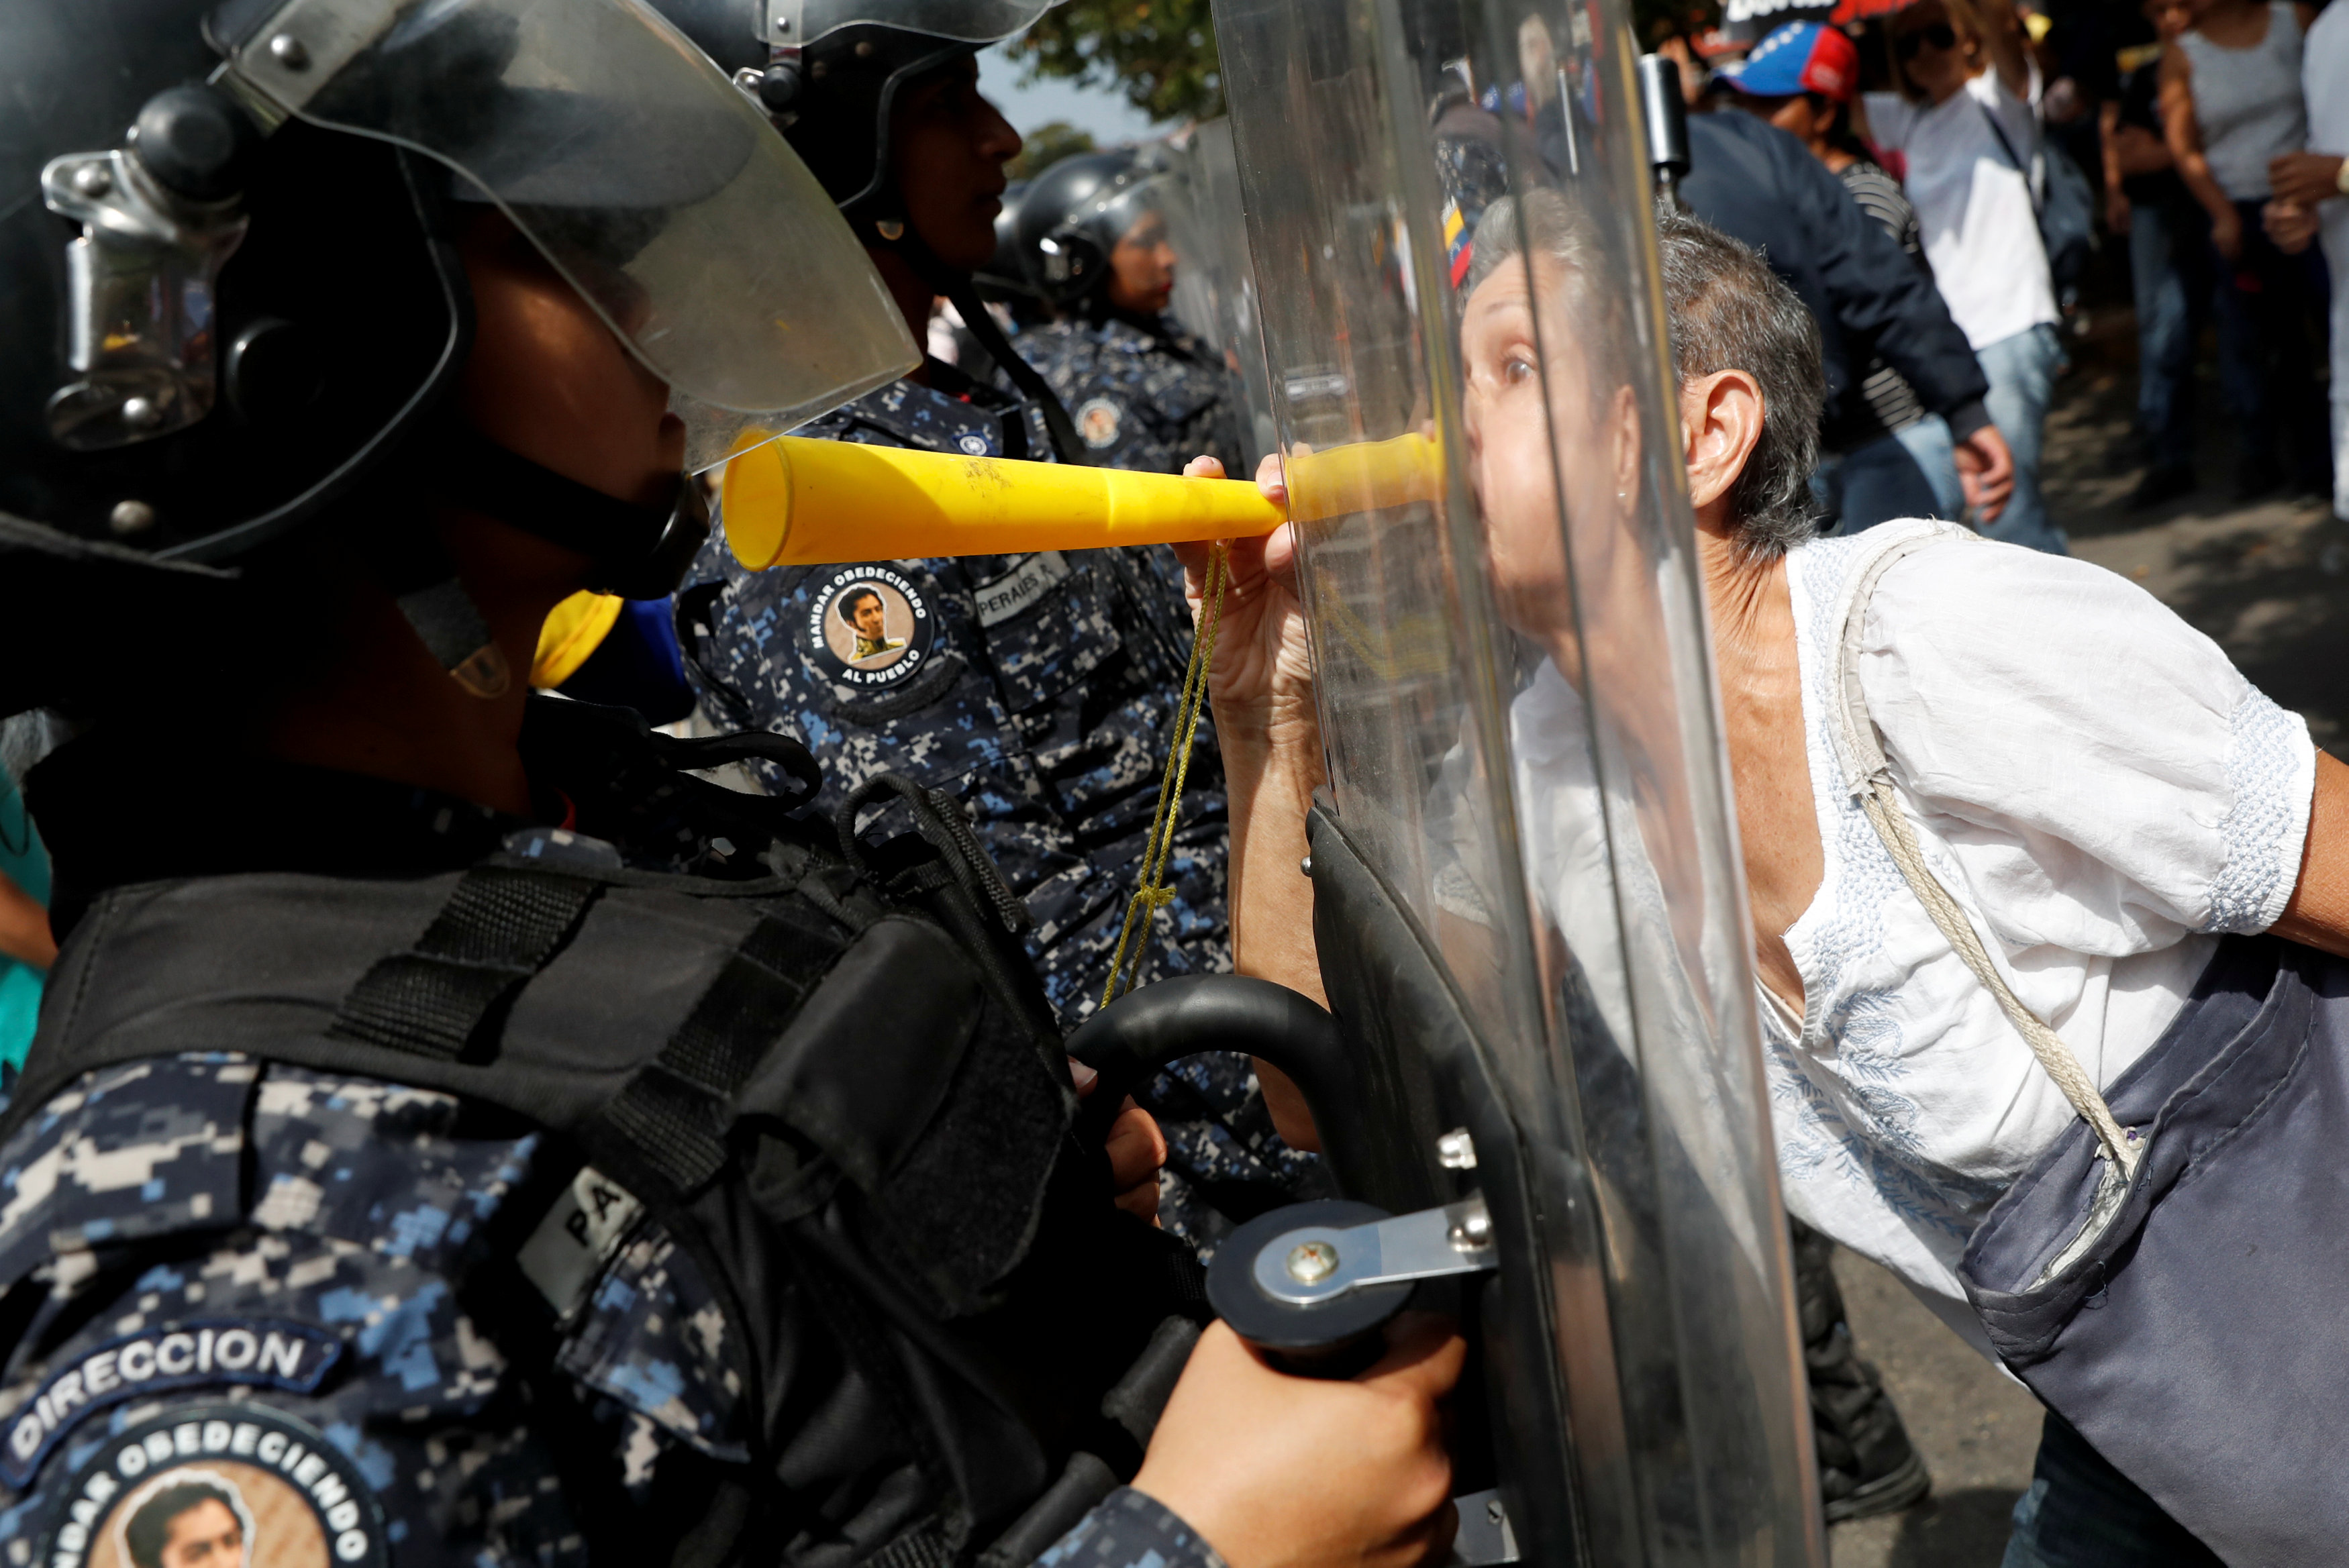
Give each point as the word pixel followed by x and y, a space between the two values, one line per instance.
pixel 1560 233
pixel 1730 311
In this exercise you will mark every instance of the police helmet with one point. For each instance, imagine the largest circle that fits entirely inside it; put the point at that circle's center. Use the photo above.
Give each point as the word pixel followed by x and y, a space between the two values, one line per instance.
pixel 1077 211
pixel 229 292
pixel 830 72
pixel 1005 276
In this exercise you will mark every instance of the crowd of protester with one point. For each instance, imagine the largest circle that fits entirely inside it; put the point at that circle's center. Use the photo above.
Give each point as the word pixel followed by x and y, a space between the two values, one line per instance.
pixel 1978 132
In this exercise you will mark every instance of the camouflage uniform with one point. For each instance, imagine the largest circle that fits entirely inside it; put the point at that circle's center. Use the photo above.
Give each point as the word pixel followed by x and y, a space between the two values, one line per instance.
pixel 366 1234
pixel 1040 692
pixel 1148 398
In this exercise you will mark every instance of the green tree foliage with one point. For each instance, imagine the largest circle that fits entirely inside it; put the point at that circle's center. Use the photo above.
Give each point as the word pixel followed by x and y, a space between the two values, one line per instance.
pixel 1161 54
pixel 1047 145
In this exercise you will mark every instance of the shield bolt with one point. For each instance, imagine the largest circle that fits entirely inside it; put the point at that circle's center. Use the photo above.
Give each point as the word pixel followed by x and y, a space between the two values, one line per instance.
pixel 1310 1262
pixel 93 180
pixel 289 51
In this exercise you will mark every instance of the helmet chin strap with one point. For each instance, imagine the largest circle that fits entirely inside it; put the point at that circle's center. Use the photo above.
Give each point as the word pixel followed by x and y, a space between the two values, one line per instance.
pixel 636 552
pixel 955 284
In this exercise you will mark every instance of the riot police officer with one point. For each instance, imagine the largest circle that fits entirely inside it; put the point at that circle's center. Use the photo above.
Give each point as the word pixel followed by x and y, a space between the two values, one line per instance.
pixel 1144 393
pixel 433 1151
pixel 1038 690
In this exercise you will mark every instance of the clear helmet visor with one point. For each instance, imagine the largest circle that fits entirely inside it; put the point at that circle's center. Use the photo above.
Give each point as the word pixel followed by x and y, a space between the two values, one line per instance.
pixel 962 21
pixel 655 187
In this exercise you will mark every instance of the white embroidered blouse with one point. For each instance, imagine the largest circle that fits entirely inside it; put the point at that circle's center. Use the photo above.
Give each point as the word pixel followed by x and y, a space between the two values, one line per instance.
pixel 2105 793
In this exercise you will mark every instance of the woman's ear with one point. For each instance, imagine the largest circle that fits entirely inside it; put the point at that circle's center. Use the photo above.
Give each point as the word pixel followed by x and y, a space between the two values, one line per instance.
pixel 1720 422
pixel 1626 420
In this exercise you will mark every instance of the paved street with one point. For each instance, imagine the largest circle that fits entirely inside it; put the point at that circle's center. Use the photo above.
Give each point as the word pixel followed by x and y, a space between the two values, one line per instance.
pixel 2270 581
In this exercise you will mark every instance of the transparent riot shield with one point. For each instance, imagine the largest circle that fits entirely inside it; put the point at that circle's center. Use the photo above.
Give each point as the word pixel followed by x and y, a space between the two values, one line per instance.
pixel 1214 285
pixel 1527 905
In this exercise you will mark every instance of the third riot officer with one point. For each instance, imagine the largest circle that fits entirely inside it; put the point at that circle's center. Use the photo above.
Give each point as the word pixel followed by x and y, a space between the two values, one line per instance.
pixel 1144 393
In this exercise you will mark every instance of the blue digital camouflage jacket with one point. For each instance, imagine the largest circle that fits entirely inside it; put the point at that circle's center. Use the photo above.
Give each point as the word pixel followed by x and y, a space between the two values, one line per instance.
pixel 1040 692
pixel 263 1308
pixel 1148 398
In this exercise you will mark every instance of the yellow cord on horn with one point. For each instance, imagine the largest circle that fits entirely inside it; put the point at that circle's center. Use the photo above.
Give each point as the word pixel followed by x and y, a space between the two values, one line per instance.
pixel 1154 894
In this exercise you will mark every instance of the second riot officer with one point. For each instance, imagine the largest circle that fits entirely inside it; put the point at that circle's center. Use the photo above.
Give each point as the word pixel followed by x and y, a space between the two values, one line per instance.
pixel 1038 690
pixel 1144 393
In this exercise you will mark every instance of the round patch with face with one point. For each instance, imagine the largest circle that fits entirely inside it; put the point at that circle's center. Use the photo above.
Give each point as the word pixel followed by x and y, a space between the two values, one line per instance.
pixel 1098 419
pixel 868 626
pixel 222 1485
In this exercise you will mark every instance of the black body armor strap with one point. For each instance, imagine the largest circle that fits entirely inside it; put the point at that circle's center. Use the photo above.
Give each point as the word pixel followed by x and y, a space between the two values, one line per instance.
pixel 859 1126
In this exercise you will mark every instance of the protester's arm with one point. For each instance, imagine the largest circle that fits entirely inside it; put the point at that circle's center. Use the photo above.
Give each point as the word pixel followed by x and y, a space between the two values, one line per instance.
pixel 2185 139
pixel 24 927
pixel 2293 227
pixel 2305 179
pixel 2004 38
pixel 1269 733
pixel 2318 912
pixel 2117 201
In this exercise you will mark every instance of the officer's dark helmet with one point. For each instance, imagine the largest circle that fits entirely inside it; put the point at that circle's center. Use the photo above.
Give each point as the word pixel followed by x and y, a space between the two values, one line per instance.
pixel 1006 277
pixel 231 310
pixel 830 72
pixel 1076 212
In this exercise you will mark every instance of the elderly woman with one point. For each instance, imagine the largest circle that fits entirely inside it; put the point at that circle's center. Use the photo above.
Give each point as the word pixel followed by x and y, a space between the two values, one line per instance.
pixel 2100 790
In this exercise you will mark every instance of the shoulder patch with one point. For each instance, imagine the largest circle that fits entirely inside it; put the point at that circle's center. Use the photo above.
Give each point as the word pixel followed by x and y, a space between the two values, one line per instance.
pixel 225 1484
pixel 868 626
pixel 1019 590
pixel 566 1254
pixel 1098 420
pixel 260 1353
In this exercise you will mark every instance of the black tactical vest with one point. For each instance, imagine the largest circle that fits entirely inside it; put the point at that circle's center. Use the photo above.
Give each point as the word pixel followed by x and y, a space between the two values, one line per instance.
pixel 837 1086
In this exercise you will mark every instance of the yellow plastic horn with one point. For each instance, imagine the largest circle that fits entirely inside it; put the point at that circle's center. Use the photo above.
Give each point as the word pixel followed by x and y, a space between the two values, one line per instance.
pixel 1363 476
pixel 800 502
pixel 793 501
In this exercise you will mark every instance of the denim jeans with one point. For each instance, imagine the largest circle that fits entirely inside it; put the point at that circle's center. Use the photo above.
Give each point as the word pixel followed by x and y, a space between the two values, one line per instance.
pixel 2163 272
pixel 2022 371
pixel 2271 309
pixel 1928 443
pixel 1872 484
pixel 2081 1512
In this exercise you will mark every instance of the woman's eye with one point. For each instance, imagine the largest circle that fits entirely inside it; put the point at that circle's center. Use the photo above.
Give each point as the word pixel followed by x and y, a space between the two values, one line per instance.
pixel 1516 369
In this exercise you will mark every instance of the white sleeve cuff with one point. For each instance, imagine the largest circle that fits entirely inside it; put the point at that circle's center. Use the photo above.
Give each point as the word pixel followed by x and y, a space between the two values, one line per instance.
pixel 2271 776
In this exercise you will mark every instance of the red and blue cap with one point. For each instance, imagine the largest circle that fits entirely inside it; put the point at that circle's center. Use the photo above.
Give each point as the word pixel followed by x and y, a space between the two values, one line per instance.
pixel 1799 58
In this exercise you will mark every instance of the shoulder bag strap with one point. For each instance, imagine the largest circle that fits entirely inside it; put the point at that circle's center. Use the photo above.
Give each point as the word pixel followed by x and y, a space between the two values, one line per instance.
pixel 1869 775
pixel 2038 200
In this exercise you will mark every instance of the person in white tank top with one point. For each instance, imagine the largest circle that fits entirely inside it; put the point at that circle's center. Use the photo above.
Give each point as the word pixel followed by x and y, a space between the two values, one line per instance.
pixel 2231 106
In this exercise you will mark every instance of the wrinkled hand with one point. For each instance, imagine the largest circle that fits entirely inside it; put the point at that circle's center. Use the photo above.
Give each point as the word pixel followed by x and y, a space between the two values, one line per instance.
pixel 2291 226
pixel 1136 1148
pixel 2304 179
pixel 1986 472
pixel 1278 1471
pixel 1262 678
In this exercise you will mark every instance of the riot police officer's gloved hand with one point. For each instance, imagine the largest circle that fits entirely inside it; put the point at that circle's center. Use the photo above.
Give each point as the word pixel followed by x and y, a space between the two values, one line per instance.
pixel 1278 1471
pixel 1269 733
pixel 1136 1148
